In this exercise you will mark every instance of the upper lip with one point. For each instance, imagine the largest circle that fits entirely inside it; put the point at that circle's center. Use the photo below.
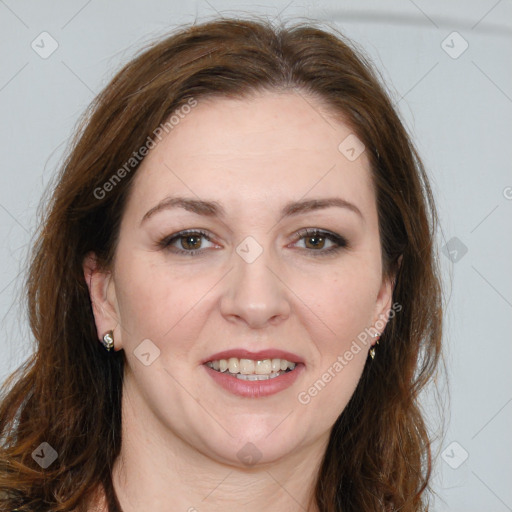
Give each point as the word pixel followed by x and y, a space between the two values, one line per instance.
pixel 241 353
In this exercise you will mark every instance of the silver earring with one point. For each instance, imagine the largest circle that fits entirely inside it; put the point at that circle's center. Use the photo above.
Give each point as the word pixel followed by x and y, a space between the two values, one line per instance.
pixel 108 340
pixel 372 350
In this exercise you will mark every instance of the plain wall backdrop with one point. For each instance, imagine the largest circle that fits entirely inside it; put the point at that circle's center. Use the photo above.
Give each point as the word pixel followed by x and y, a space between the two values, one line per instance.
pixel 448 66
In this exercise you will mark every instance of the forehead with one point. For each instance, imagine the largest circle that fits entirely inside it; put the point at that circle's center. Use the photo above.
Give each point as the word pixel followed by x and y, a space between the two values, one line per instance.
pixel 243 148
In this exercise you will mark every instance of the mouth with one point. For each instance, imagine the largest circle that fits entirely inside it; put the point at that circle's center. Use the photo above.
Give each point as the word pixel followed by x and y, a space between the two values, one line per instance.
pixel 250 369
pixel 254 374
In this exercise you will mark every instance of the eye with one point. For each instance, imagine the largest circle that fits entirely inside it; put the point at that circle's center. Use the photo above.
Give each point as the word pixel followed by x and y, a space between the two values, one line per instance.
pixel 315 240
pixel 188 242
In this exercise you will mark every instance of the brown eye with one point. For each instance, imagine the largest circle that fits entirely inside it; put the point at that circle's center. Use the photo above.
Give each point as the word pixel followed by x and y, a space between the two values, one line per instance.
pixel 190 242
pixel 315 241
pixel 185 242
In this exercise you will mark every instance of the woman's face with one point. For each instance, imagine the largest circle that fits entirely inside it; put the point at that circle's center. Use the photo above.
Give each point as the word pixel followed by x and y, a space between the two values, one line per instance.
pixel 247 279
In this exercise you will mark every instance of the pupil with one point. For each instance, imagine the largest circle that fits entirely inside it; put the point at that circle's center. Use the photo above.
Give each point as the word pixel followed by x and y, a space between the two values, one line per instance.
pixel 194 245
pixel 317 241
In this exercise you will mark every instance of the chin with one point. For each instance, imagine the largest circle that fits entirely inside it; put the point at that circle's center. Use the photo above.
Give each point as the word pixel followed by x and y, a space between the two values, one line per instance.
pixel 252 448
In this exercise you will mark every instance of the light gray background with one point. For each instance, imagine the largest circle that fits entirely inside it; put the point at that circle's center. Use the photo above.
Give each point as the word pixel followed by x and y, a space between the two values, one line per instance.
pixel 459 111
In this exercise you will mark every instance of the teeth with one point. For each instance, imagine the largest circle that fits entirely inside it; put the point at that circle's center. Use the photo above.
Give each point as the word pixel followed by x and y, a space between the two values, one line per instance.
pixel 263 367
pixel 258 377
pixel 234 365
pixel 253 370
pixel 246 366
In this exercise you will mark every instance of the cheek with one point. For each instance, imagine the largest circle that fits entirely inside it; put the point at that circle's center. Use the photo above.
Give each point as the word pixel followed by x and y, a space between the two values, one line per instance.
pixel 150 299
pixel 342 303
pixel 162 303
pixel 343 311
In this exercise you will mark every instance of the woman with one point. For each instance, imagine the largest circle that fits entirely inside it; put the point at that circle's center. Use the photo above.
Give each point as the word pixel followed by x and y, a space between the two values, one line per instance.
pixel 245 226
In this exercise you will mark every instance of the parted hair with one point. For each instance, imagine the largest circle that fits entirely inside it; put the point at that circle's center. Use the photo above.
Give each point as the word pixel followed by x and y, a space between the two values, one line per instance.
pixel 69 392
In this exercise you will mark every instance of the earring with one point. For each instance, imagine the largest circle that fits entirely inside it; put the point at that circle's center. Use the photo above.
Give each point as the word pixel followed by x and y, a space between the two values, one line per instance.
pixel 108 340
pixel 372 350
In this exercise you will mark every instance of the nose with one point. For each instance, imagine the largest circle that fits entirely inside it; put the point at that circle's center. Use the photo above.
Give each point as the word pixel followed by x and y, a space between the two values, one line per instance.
pixel 255 293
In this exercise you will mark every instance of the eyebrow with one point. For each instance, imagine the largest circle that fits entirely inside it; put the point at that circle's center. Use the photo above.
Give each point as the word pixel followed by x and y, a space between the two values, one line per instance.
pixel 215 209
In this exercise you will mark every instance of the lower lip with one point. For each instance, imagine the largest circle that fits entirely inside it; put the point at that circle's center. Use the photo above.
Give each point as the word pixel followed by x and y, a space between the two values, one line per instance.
pixel 255 388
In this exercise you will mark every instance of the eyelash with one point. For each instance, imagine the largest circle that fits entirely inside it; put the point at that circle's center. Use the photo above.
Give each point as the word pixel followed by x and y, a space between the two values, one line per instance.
pixel 341 242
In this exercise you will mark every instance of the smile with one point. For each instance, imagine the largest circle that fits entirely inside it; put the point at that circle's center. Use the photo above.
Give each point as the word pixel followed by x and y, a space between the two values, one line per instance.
pixel 253 378
pixel 251 370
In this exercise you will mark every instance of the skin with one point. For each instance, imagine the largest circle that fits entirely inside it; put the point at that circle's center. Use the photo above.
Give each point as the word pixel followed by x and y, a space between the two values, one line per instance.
pixel 181 431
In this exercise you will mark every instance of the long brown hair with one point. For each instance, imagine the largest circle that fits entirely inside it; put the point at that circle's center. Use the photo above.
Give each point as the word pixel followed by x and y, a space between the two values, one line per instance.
pixel 68 394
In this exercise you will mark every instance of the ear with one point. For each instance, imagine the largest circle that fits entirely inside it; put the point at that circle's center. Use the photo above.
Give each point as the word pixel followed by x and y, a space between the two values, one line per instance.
pixel 384 304
pixel 103 299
